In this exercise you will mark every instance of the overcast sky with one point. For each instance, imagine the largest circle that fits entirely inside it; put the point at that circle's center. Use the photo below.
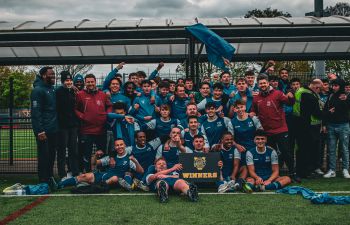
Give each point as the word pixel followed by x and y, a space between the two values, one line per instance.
pixel 45 10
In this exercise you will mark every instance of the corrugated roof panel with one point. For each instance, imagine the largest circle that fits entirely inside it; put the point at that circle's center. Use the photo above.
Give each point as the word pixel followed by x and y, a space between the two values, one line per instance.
pixel 32 26
pixel 4 26
pixel 304 21
pixel 47 51
pixel 94 24
pixel 64 25
pixel 159 49
pixel 6 52
pixel 334 20
pixel 178 49
pixel 316 47
pixel 272 47
pixel 24 51
pixel 176 22
pixel 114 49
pixel 294 47
pixel 338 46
pixel 124 23
pixel 92 50
pixel 136 49
pixel 273 21
pixel 249 48
pixel 243 22
pixel 153 23
pixel 69 51
pixel 213 21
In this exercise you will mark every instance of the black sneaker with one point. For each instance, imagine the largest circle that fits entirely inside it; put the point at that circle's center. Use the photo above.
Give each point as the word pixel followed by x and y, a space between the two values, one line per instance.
pixel 162 192
pixel 192 193
pixel 52 184
pixel 295 178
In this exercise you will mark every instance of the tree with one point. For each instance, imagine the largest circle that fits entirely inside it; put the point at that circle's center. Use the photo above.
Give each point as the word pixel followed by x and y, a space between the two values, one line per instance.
pixel 73 69
pixel 266 13
pixel 22 86
pixel 340 9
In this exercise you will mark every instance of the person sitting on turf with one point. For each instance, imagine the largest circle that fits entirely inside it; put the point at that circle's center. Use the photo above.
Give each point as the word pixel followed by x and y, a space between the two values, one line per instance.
pixel 263 168
pixel 171 149
pixel 117 169
pixel 231 165
pixel 164 178
pixel 145 154
pixel 193 130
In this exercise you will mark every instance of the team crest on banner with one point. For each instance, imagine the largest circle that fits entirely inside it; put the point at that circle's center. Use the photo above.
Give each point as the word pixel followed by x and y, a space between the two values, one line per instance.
pixel 199 162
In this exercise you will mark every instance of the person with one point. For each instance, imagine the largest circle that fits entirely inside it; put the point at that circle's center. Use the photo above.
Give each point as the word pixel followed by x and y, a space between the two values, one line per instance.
pixel 228 88
pixel 273 80
pixel 171 154
pixel 232 164
pixel 244 127
pixel 117 169
pixel 92 106
pixel 336 123
pixel 193 130
pixel 191 110
pixel 163 179
pixel 284 84
pixel 68 127
pixel 122 125
pixel 143 109
pixel 243 93
pixel 199 145
pixel 111 76
pixel 213 126
pixel 204 92
pixel 219 98
pixel 44 122
pixel 179 103
pixel 307 118
pixel 145 154
pixel 129 90
pixel 78 81
pixel 162 125
pixel 163 95
pixel 268 106
pixel 263 168
pixel 189 87
pixel 252 86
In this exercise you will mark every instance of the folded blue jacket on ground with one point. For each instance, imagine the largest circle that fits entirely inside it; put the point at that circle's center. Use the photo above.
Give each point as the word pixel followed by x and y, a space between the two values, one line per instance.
pixel 323 198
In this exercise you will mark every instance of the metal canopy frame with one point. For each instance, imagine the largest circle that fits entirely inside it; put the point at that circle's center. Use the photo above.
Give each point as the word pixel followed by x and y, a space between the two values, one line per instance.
pixel 151 41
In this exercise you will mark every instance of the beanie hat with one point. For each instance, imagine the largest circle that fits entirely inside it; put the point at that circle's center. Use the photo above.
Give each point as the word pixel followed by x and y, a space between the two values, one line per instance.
pixel 65 75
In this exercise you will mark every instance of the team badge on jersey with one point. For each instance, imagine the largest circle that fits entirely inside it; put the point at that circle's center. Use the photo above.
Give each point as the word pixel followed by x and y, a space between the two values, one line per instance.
pixel 199 162
pixel 98 102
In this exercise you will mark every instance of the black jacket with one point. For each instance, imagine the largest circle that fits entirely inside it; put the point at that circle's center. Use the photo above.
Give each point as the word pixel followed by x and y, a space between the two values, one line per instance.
pixel 43 107
pixel 65 102
pixel 310 106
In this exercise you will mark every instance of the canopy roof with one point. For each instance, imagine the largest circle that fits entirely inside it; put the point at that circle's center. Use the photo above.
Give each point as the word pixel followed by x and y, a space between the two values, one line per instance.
pixel 154 40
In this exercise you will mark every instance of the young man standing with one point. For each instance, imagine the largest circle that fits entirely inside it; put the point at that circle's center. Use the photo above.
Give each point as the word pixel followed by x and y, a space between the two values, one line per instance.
pixel 44 122
pixel 143 109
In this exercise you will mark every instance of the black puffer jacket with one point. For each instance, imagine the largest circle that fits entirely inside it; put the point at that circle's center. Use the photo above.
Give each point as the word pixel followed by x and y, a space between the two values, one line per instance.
pixel 65 102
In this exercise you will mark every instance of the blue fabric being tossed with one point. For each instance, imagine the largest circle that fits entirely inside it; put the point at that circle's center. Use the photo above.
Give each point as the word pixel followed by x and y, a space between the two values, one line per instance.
pixel 315 198
pixel 216 47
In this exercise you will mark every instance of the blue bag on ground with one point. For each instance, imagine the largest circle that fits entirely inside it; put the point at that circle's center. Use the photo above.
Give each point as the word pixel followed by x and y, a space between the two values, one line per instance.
pixel 39 189
pixel 315 198
pixel 216 46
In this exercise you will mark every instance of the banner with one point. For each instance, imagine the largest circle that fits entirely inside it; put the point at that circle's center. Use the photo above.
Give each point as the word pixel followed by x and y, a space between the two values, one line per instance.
pixel 200 167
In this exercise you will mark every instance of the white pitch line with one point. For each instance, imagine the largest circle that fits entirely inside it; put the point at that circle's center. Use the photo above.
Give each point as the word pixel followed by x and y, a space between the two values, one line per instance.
pixel 16 150
pixel 151 194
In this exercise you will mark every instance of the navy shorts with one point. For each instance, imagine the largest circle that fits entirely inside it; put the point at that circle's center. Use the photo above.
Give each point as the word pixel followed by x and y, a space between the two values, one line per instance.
pixel 102 177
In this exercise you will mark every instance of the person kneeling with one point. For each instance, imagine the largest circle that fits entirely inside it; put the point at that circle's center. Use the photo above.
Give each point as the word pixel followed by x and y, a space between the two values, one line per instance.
pixel 263 168
pixel 163 179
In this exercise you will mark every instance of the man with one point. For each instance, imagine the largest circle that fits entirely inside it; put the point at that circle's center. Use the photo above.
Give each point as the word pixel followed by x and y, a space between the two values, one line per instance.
pixel 204 92
pixel 232 164
pixel 336 122
pixel 213 126
pixel 283 82
pixel 163 179
pixel 44 122
pixel 193 130
pixel 198 144
pixel 145 154
pixel 171 155
pixel 179 103
pixel 262 163
pixel 163 95
pixel 92 106
pixel 273 80
pixel 268 106
pixel 219 98
pixel 250 78
pixel 229 89
pixel 112 75
pixel 243 93
pixel 117 169
pixel 68 124
pixel 189 86
pixel 143 109
pixel 122 125
pixel 78 82
pixel 191 110
pixel 307 118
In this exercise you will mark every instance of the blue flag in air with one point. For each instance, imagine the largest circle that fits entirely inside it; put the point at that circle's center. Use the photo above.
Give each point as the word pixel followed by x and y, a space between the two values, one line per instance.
pixel 216 46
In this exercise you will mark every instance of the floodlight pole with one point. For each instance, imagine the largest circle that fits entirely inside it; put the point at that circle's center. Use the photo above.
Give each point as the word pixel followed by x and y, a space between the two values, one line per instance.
pixel 320 69
pixel 191 57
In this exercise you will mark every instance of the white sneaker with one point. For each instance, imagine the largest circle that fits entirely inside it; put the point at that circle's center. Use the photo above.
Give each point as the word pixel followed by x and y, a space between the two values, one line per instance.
pixel 69 175
pixel 64 178
pixel 329 174
pixel 223 187
pixel 319 171
pixel 346 174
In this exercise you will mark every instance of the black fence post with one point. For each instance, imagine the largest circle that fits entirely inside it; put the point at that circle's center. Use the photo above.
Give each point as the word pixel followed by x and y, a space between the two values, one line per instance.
pixel 11 119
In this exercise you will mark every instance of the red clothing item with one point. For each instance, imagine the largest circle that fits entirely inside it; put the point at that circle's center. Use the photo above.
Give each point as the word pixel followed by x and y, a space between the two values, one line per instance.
pixel 269 109
pixel 92 109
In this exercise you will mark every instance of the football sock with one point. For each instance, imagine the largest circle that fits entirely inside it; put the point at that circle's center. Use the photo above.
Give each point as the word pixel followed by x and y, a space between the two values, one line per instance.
pixel 128 179
pixel 273 186
pixel 69 182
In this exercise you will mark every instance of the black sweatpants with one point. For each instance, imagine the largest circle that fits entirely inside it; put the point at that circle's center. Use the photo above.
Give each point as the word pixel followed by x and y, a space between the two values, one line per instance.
pixel 46 156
